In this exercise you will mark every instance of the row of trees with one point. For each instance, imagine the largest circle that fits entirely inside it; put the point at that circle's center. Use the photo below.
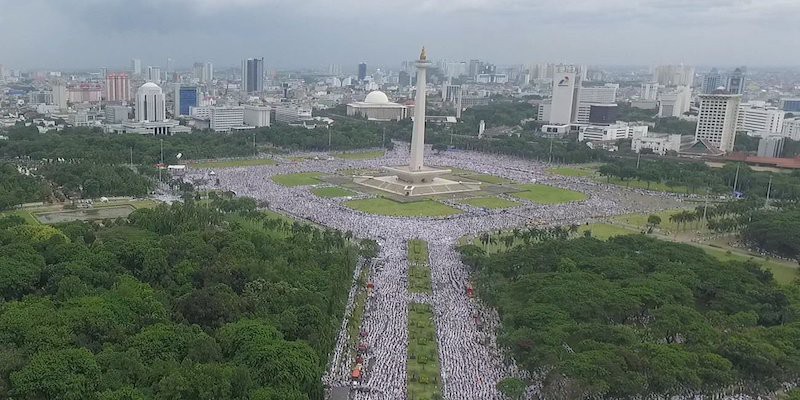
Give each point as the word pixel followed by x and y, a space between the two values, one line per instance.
pixel 697 177
pixel 178 302
pixel 16 188
pixel 635 316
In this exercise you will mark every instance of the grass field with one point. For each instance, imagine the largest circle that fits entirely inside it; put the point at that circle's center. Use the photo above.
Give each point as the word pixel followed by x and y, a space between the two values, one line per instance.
pixel 298 179
pixel 244 162
pixel 29 215
pixel 477 176
pixel 333 192
pixel 637 184
pixel 383 206
pixel 423 356
pixel 419 272
pixel 640 221
pixel 571 171
pixel 363 155
pixel 544 194
pixel 489 202
pixel 605 231
pixel 783 273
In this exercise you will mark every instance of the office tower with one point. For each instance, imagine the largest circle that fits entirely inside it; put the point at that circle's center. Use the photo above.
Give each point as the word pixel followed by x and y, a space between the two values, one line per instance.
pixel 154 74
pixel 170 65
pixel 565 97
pixel 790 105
pixel 60 94
pixel 712 81
pixel 185 97
pixel 136 66
pixel 404 79
pixel 649 91
pixel 150 104
pixel 717 120
pixel 600 100
pixel 674 75
pixel 362 72
pixel 253 75
pixel 735 82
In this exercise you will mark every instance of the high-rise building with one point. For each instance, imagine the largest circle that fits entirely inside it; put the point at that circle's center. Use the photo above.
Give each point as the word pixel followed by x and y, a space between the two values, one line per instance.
pixel 711 81
pixel 791 128
pixel 674 75
pixel 60 94
pixel 208 72
pixel 154 74
pixel 185 97
pixel 717 120
pixel 649 91
pixel 150 105
pixel 758 119
pixel 404 79
pixel 253 75
pixel 170 65
pixel 790 105
pixel 735 82
pixel 565 98
pixel 136 66
pixel 362 72
pixel 118 87
pixel 224 119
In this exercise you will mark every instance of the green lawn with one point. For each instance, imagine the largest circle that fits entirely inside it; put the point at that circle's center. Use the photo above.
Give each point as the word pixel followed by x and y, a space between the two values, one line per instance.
pixel 637 184
pixel 419 272
pixel 544 194
pixel 384 206
pixel 244 162
pixel 26 215
pixel 477 176
pixel 423 356
pixel 363 155
pixel 298 179
pixel 571 171
pixel 605 231
pixel 784 274
pixel 333 192
pixel 490 202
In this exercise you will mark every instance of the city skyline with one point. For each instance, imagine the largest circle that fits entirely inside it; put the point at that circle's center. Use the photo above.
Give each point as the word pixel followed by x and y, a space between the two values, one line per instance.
pixel 82 35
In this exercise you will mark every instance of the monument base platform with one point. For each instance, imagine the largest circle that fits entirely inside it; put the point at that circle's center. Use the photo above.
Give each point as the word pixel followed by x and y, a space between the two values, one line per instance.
pixel 422 182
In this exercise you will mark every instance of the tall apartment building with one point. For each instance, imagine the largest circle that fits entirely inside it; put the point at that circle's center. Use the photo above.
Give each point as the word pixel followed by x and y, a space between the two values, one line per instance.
pixel 362 72
pixel 718 119
pixel 674 75
pixel 759 119
pixel 136 66
pixel 712 81
pixel 118 87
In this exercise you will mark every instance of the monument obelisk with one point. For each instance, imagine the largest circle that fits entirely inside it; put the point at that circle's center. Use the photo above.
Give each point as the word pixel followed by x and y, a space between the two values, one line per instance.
pixel 416 179
pixel 418 133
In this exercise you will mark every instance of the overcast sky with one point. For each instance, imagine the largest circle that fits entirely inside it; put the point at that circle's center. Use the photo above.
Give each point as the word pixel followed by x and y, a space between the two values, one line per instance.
pixel 68 34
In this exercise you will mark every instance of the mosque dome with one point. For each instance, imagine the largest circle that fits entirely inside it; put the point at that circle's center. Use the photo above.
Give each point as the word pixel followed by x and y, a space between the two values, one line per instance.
pixel 149 87
pixel 376 97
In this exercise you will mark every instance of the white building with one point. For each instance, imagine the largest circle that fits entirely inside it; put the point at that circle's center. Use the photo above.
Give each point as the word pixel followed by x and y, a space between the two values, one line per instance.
pixel 289 113
pixel 757 118
pixel 256 116
pixel 224 119
pixel 598 94
pixel 200 112
pixel 60 95
pixel 116 114
pixel 791 128
pixel 154 74
pixel 717 120
pixel 649 91
pixel 150 103
pixel 564 103
pixel 659 143
pixel 770 146
pixel 376 106
pixel 595 133
pixel 675 102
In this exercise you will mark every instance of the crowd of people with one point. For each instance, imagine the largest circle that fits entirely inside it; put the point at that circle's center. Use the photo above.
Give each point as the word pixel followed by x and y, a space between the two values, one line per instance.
pixel 471 361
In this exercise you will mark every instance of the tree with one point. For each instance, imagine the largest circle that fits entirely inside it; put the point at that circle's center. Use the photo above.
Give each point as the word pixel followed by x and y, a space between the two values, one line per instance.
pixel 61 374
pixel 652 222
pixel 512 388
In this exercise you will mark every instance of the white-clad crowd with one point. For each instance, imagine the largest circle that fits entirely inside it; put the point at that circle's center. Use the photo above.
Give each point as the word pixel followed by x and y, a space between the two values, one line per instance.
pixel 471 362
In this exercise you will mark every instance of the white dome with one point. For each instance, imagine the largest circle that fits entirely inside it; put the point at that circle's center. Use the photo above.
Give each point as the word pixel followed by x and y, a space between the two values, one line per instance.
pixel 149 87
pixel 376 97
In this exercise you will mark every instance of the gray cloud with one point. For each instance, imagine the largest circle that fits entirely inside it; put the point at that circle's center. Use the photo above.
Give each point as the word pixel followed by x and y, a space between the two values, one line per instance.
pixel 290 33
